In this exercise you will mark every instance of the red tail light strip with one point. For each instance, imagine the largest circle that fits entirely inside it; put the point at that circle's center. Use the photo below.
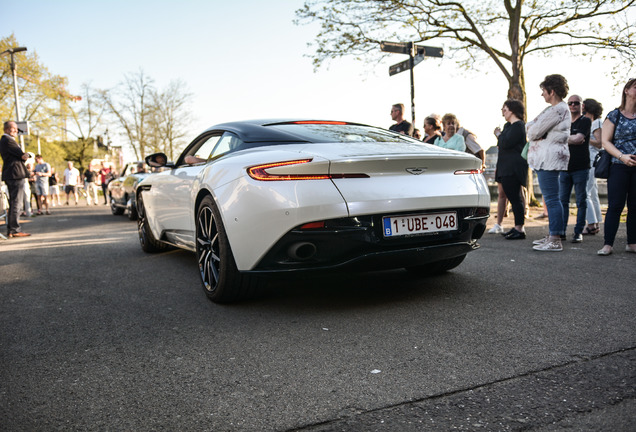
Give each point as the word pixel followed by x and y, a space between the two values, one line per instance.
pixel 471 171
pixel 259 172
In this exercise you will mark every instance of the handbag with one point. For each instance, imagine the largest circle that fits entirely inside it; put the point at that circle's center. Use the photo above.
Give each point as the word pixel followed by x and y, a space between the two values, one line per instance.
pixel 602 163
pixel 524 152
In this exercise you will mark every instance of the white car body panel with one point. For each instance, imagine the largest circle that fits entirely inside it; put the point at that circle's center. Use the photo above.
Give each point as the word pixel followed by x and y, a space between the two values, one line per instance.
pixel 258 213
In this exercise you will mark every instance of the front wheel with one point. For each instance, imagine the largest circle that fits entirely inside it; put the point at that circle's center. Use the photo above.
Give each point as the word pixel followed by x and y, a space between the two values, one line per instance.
pixel 114 208
pixel 221 280
pixel 437 267
pixel 147 240
pixel 132 212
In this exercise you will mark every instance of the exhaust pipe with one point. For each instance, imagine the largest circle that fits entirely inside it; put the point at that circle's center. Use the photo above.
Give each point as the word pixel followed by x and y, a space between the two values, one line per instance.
pixel 302 251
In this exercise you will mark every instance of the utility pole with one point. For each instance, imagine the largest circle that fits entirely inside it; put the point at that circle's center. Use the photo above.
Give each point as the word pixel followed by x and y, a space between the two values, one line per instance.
pixel 12 51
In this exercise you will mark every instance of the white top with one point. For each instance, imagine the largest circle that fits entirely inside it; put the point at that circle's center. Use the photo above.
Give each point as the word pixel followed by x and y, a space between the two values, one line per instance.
pixel 548 137
pixel 596 124
pixel 71 177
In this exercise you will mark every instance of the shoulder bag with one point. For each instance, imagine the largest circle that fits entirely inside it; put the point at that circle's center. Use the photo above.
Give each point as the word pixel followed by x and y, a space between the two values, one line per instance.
pixel 602 163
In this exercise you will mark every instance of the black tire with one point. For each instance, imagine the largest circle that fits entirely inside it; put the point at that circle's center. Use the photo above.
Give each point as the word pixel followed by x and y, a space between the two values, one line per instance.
pixel 437 267
pixel 221 280
pixel 132 213
pixel 113 208
pixel 147 240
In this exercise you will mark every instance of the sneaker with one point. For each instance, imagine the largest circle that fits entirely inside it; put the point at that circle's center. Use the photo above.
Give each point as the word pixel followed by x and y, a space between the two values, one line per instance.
pixel 516 235
pixel 497 229
pixel 549 246
pixel 508 232
pixel 541 241
pixel 578 238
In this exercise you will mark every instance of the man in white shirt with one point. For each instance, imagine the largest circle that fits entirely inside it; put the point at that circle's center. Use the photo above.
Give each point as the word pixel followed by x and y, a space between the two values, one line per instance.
pixel 71 180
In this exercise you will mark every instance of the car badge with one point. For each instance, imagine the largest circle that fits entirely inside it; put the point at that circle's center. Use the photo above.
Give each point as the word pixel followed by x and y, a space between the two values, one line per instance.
pixel 416 171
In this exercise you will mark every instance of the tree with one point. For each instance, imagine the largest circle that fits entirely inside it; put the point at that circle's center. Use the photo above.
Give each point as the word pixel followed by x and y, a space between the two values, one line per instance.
pixel 503 31
pixel 85 118
pixel 131 104
pixel 40 93
pixel 170 116
pixel 152 120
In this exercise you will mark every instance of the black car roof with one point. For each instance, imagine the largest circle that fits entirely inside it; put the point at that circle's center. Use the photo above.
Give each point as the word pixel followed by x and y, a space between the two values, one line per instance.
pixel 258 131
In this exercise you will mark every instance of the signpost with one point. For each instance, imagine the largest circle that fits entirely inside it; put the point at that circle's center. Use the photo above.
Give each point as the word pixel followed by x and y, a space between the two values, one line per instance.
pixel 416 54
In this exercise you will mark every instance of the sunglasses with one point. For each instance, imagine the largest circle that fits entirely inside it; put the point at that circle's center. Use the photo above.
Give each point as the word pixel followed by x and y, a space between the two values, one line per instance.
pixel 574 103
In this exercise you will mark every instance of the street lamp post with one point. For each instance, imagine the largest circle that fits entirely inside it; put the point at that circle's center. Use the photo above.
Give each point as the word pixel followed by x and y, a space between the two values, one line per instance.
pixel 12 51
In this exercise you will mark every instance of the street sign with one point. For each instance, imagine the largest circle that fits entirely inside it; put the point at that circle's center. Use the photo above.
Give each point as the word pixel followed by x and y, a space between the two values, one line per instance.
pixel 23 127
pixel 396 47
pixel 428 51
pixel 404 65
pixel 416 54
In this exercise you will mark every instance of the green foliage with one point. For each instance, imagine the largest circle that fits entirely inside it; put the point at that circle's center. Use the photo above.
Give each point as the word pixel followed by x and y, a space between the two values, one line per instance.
pixel 40 92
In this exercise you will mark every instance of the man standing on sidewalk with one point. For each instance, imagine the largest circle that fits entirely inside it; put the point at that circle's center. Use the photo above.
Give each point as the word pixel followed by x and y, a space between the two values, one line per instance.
pixel 71 180
pixel 578 168
pixel 401 125
pixel 14 174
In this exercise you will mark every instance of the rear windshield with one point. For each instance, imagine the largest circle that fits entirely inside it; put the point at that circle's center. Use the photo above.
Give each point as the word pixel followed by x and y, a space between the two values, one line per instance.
pixel 341 133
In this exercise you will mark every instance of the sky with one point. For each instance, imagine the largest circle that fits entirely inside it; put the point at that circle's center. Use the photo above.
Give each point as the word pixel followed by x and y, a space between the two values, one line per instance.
pixel 246 59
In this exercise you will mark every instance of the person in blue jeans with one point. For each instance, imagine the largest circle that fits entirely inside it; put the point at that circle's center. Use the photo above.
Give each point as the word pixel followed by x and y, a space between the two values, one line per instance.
pixel 578 168
pixel 548 155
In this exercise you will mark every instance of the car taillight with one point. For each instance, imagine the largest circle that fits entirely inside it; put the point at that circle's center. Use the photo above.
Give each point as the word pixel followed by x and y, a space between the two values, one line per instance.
pixel 313 225
pixel 259 172
pixel 471 171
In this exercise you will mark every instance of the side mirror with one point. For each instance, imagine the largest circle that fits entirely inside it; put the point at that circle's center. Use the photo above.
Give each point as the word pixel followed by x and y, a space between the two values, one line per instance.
pixel 158 160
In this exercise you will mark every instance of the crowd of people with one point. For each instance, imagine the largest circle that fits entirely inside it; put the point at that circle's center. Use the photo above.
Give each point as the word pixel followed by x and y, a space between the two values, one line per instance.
pixel 38 181
pixel 559 145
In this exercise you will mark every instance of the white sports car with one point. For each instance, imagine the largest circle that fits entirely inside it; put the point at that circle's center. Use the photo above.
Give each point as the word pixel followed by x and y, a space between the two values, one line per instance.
pixel 258 197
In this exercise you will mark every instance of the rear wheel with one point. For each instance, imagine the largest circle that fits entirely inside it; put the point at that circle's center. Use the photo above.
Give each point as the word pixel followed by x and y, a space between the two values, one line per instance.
pixel 437 267
pixel 221 280
pixel 147 240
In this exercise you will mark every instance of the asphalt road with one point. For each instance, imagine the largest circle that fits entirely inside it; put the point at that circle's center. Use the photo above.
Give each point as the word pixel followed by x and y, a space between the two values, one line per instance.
pixel 97 335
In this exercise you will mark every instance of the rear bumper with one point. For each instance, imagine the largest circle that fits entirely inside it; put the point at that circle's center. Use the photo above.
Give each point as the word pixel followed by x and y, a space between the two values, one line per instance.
pixel 357 244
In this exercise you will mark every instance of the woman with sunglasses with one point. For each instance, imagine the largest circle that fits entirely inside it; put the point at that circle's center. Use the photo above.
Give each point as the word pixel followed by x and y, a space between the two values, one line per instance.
pixel 548 155
pixel 619 140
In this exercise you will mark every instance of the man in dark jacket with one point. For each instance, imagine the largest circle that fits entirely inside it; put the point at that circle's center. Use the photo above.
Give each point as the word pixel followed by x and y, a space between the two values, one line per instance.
pixel 14 173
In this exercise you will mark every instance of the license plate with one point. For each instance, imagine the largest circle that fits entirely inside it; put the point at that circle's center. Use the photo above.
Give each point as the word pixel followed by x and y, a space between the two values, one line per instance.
pixel 419 224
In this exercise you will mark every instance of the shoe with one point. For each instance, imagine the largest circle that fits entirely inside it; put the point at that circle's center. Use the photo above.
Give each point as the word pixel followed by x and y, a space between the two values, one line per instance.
pixel 603 252
pixel 48 212
pixel 497 229
pixel 578 238
pixel 591 231
pixel 541 241
pixel 630 249
pixel 39 213
pixel 66 203
pixel 516 235
pixel 542 216
pixel 549 246
pixel 19 234
pixel 510 231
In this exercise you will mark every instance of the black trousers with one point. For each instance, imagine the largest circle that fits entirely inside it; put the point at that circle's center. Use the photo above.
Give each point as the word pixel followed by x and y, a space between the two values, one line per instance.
pixel 16 199
pixel 512 188
pixel 621 188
